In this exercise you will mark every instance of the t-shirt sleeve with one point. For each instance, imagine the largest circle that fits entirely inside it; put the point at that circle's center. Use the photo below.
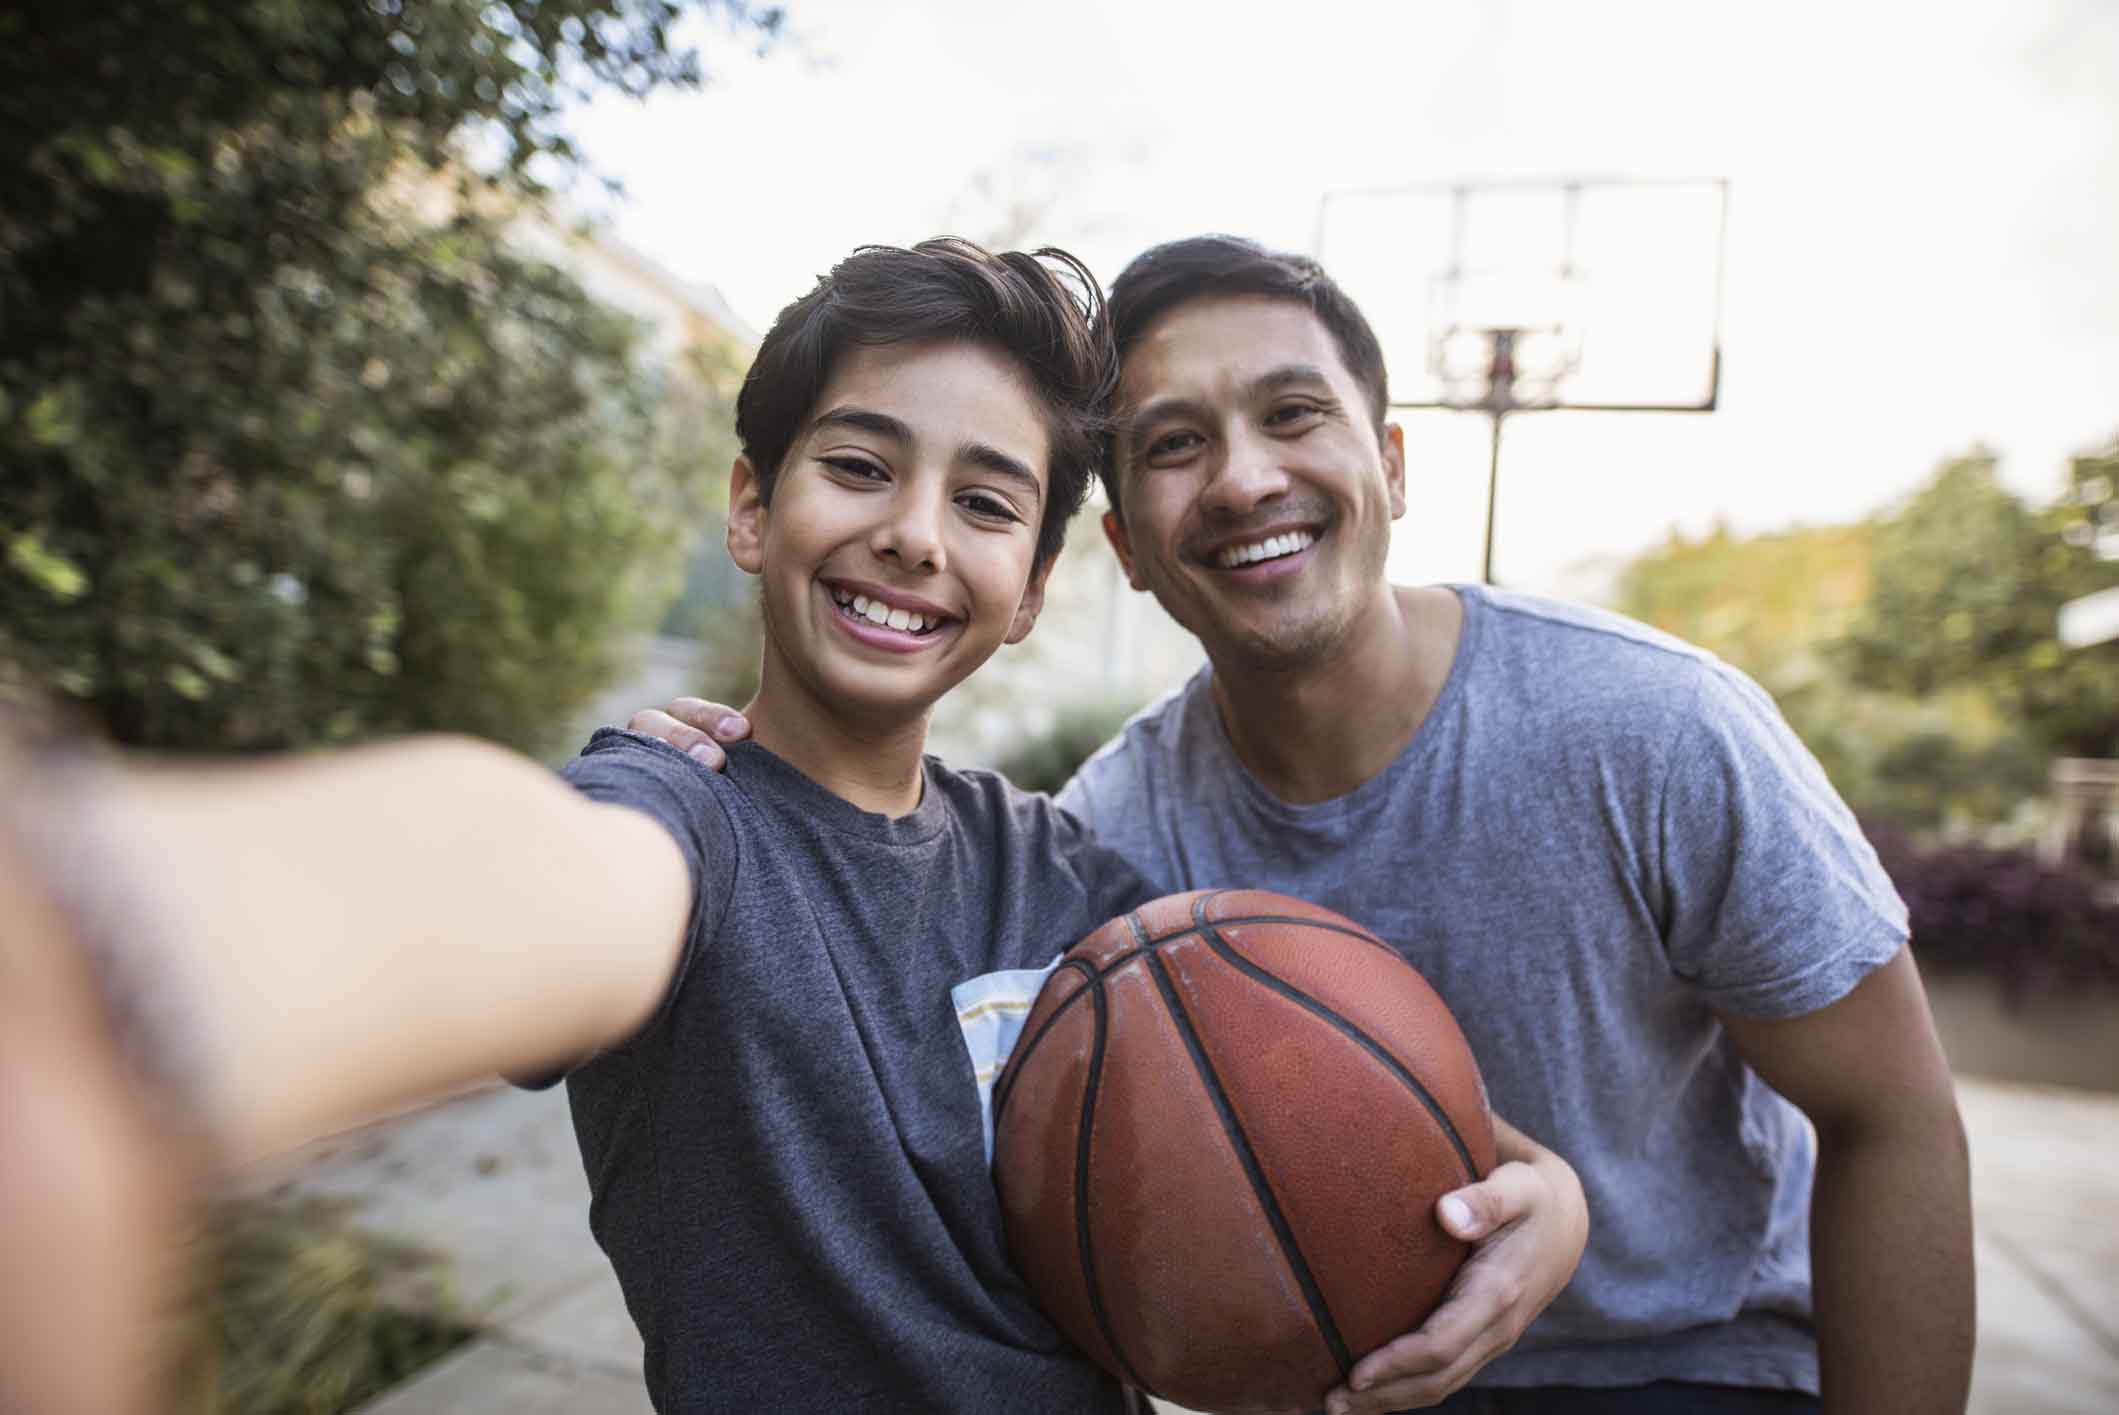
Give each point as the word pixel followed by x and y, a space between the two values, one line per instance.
pixel 1112 882
pixel 1078 799
pixel 628 769
pixel 1775 903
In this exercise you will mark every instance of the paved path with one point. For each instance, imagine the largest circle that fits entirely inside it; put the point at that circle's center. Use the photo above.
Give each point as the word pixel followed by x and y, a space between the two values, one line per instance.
pixel 494 1181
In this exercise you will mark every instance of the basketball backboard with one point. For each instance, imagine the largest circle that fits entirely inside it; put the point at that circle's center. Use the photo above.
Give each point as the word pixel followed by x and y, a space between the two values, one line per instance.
pixel 1608 289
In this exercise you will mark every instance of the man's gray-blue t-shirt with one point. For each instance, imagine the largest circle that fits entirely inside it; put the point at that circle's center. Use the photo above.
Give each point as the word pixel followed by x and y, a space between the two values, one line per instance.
pixel 788 1162
pixel 1599 837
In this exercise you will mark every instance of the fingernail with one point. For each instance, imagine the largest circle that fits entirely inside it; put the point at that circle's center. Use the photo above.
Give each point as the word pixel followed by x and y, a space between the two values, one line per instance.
pixel 1456 1213
pixel 704 752
pixel 728 729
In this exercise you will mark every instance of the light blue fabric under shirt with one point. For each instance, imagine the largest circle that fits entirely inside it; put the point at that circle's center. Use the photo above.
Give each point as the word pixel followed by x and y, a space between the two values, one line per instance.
pixel 1599 837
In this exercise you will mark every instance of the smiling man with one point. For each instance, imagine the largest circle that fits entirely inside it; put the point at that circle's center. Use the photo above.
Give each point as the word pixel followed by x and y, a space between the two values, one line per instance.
pixel 1658 923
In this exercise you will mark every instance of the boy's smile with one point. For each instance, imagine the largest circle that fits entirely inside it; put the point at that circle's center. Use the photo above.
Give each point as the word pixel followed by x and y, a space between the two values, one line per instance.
pixel 896 554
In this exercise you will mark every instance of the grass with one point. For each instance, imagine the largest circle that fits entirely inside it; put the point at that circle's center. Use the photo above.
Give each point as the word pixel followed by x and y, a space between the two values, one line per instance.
pixel 310 1315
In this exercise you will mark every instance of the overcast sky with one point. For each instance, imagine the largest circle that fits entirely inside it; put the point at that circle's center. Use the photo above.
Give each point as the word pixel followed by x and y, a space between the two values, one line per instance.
pixel 1923 226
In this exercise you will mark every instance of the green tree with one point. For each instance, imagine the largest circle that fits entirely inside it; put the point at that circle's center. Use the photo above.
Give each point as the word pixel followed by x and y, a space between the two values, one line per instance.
pixel 297 448
pixel 1967 591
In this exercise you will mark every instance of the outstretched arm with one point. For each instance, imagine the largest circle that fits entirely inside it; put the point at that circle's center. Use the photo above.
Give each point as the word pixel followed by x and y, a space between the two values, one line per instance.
pixel 1891 1212
pixel 1529 1223
pixel 326 937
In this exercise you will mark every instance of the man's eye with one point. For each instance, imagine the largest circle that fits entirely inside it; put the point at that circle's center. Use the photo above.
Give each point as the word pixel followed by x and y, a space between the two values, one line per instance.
pixel 1172 444
pixel 859 468
pixel 987 507
pixel 1292 414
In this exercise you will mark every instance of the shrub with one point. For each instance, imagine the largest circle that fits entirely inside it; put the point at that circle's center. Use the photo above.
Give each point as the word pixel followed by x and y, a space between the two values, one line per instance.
pixel 2032 927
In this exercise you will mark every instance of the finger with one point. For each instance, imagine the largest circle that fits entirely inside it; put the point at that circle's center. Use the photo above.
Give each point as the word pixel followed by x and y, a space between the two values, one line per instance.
pixel 1477 1210
pixel 716 719
pixel 653 722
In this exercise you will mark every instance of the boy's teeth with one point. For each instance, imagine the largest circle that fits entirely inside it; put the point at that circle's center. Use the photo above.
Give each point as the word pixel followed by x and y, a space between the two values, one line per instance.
pixel 877 612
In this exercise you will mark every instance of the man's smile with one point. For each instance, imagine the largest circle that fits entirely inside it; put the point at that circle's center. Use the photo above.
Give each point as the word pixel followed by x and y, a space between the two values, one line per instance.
pixel 1273 547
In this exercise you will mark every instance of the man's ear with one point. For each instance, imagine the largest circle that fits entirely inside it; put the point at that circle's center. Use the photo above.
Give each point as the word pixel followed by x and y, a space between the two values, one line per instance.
pixel 1394 467
pixel 1122 546
pixel 746 517
pixel 1033 603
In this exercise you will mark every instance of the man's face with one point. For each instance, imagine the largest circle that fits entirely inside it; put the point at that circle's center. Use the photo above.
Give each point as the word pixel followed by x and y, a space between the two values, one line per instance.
pixel 1255 497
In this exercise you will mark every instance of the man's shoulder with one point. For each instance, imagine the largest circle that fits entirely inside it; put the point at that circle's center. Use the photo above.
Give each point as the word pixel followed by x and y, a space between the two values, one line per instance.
pixel 1157 733
pixel 1592 632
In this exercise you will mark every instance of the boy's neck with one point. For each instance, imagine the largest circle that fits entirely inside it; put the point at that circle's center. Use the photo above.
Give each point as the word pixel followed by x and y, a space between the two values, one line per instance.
pixel 876 766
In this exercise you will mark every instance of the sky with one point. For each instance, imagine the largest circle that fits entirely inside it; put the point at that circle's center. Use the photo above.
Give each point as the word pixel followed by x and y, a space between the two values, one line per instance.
pixel 1923 221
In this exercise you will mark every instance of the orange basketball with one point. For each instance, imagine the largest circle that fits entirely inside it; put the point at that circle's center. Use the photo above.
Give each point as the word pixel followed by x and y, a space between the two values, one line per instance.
pixel 1220 1141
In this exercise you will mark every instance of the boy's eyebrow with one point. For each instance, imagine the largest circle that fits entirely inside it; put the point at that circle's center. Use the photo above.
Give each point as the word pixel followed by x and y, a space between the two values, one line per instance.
pixel 863 420
pixel 994 460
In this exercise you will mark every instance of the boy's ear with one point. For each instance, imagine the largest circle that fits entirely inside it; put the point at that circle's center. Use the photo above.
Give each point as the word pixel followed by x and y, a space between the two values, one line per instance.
pixel 1033 603
pixel 746 518
pixel 1115 532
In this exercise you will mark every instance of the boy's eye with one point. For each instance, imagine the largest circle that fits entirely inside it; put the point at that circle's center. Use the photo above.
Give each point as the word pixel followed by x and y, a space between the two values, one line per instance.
pixel 987 506
pixel 859 468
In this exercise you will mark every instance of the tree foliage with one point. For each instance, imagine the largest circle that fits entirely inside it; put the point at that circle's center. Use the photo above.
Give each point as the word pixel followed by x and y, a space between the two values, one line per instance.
pixel 297 447
pixel 1968 585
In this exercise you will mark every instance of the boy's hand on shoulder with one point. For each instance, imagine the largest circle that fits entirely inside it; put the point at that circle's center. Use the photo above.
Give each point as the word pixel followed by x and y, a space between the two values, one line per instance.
pixel 693 726
pixel 1528 1223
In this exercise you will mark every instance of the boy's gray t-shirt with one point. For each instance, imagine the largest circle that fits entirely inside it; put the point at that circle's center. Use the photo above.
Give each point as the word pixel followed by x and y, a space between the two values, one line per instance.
pixel 787 1163
pixel 1599 837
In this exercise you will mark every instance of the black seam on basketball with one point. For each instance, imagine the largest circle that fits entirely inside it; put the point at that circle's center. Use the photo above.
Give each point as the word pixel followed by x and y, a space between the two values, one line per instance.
pixel 1290 1250
pixel 1004 1084
pixel 1148 945
pixel 1081 1185
pixel 1356 1035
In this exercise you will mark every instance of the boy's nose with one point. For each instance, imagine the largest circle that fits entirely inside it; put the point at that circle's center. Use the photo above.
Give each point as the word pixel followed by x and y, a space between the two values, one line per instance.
pixel 911 535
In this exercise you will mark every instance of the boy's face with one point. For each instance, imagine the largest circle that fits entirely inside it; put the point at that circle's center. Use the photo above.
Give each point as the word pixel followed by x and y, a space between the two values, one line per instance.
pixel 896 555
pixel 1257 496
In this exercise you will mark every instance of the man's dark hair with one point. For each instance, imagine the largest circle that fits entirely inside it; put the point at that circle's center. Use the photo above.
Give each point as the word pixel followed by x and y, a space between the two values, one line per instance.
pixel 1041 309
pixel 1161 278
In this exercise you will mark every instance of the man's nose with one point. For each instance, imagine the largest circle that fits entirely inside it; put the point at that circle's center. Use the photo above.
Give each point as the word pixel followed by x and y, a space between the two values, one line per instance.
pixel 911 534
pixel 1248 476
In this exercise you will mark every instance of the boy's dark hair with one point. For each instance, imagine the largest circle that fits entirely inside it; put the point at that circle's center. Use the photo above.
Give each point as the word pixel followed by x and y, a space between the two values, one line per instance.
pixel 1165 276
pixel 1042 309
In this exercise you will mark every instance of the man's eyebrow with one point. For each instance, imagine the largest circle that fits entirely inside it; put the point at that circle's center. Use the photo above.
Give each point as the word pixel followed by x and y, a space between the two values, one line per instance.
pixel 863 420
pixel 1275 379
pixel 1157 410
pixel 994 460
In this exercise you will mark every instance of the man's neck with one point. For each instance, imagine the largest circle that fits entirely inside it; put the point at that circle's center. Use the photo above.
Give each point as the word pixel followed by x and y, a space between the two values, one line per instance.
pixel 1310 734
pixel 876 766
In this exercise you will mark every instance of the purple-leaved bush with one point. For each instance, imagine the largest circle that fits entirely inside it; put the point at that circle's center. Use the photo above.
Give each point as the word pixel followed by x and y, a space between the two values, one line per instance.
pixel 2032 927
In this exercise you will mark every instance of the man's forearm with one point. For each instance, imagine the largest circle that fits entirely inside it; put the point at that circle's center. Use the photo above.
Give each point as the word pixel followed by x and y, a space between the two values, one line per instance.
pixel 1891 1261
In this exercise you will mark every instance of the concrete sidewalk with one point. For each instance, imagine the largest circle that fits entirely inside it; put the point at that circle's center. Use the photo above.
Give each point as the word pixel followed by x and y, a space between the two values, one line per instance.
pixel 494 1182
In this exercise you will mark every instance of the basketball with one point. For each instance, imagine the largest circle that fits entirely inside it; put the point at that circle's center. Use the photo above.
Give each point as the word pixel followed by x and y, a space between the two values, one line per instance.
pixel 1219 1144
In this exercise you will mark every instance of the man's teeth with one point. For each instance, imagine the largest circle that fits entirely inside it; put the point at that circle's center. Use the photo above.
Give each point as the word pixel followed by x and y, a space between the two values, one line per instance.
pixel 1271 548
pixel 877 612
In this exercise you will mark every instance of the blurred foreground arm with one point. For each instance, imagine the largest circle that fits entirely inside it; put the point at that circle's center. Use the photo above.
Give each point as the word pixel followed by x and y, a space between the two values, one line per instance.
pixel 1891 1213
pixel 335 935
pixel 1529 1222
